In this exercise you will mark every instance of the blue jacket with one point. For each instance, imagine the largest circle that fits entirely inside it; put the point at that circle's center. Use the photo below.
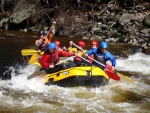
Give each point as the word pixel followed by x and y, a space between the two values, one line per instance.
pixel 104 56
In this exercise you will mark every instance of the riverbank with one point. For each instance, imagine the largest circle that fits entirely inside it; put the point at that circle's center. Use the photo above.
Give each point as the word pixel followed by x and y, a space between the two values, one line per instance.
pixel 116 22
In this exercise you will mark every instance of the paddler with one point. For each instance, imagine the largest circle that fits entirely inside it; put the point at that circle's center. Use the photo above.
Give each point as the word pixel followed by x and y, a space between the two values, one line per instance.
pixel 102 55
pixel 51 57
pixel 78 61
pixel 45 39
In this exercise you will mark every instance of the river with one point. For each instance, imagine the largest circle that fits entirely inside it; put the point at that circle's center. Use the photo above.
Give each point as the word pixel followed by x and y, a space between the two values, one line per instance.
pixel 19 95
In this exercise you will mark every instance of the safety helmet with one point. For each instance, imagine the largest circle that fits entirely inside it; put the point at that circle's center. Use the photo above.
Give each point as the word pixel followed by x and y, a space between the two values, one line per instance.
pixel 41 32
pixel 57 42
pixel 94 43
pixel 81 43
pixel 52 46
pixel 103 45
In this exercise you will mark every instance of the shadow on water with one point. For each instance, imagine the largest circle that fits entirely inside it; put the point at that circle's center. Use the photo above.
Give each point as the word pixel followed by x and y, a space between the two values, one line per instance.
pixel 127 96
pixel 12 42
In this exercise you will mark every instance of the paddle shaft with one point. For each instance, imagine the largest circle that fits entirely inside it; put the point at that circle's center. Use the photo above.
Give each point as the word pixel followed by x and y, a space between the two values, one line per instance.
pixel 88 56
pixel 40 72
pixel 115 77
pixel 108 72
pixel 65 60
pixel 84 59
pixel 49 30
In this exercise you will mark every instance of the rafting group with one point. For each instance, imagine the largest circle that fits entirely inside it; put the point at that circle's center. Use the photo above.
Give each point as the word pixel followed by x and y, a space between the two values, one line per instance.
pixel 79 68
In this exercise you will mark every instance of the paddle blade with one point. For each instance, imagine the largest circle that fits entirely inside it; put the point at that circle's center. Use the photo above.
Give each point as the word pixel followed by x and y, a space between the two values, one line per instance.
pixel 26 52
pixel 36 74
pixel 112 75
pixel 125 77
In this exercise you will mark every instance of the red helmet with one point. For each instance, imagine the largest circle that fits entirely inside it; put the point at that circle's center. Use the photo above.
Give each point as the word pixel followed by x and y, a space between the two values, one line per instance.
pixel 81 43
pixel 94 43
pixel 57 42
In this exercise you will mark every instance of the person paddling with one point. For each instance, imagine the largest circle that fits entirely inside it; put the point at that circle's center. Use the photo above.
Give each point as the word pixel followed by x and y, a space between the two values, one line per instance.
pixel 57 42
pixel 94 45
pixel 102 55
pixel 78 61
pixel 51 57
pixel 45 39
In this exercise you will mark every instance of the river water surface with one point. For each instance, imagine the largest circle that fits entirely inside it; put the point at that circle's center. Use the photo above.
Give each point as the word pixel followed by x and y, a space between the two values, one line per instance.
pixel 19 95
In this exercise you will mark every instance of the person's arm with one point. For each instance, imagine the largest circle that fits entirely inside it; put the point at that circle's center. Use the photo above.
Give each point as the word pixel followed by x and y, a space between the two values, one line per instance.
pixel 91 51
pixel 50 34
pixel 113 61
pixel 39 42
pixel 65 53
pixel 110 57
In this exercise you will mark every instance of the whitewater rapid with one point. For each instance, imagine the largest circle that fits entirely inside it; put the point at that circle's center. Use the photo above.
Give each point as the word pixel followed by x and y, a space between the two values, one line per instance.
pixel 22 95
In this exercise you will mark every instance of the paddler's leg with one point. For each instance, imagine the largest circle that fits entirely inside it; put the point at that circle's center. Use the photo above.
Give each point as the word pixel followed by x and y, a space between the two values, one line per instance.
pixel 56 69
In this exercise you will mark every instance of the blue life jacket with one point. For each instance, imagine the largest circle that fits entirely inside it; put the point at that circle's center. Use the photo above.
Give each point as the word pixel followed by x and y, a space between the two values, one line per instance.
pixel 102 57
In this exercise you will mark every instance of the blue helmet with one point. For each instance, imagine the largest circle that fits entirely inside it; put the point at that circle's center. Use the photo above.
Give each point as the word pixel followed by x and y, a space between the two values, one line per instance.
pixel 52 45
pixel 103 44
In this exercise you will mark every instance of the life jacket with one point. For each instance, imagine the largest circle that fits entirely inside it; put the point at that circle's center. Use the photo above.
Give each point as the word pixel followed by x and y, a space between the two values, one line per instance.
pixel 90 59
pixel 43 44
pixel 79 53
pixel 54 57
pixel 49 58
pixel 71 49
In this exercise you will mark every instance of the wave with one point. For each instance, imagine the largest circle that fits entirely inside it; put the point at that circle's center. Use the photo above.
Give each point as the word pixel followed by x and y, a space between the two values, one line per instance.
pixel 138 62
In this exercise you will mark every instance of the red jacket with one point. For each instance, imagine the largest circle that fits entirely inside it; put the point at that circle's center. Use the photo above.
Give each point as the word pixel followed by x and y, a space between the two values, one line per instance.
pixel 53 58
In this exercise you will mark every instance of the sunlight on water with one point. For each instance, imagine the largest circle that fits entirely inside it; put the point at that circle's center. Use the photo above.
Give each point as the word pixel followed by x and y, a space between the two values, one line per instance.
pixel 138 62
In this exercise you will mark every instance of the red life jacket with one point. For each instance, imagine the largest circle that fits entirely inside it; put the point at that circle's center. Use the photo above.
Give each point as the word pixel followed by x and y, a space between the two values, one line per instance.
pixel 80 53
pixel 53 58
pixel 49 59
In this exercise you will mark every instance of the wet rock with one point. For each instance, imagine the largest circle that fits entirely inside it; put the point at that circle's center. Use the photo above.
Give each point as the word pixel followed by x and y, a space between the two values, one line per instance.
pixel 126 17
pixel 145 31
pixel 146 21
pixel 4 23
pixel 23 10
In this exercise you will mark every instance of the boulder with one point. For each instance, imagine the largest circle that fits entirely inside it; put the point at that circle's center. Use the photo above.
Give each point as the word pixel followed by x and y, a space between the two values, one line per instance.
pixel 146 21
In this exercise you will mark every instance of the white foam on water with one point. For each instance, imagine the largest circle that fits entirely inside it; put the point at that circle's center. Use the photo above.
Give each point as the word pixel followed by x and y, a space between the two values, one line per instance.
pixel 138 62
pixel 110 98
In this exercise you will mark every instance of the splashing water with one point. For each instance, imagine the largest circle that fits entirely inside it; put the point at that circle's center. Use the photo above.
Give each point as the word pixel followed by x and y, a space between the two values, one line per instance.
pixel 138 62
pixel 22 95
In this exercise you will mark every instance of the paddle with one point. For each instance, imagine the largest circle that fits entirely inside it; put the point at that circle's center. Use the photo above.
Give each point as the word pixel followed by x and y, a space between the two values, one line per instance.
pixel 26 52
pixel 108 71
pixel 125 77
pixel 44 71
pixel 33 58
pixel 121 75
